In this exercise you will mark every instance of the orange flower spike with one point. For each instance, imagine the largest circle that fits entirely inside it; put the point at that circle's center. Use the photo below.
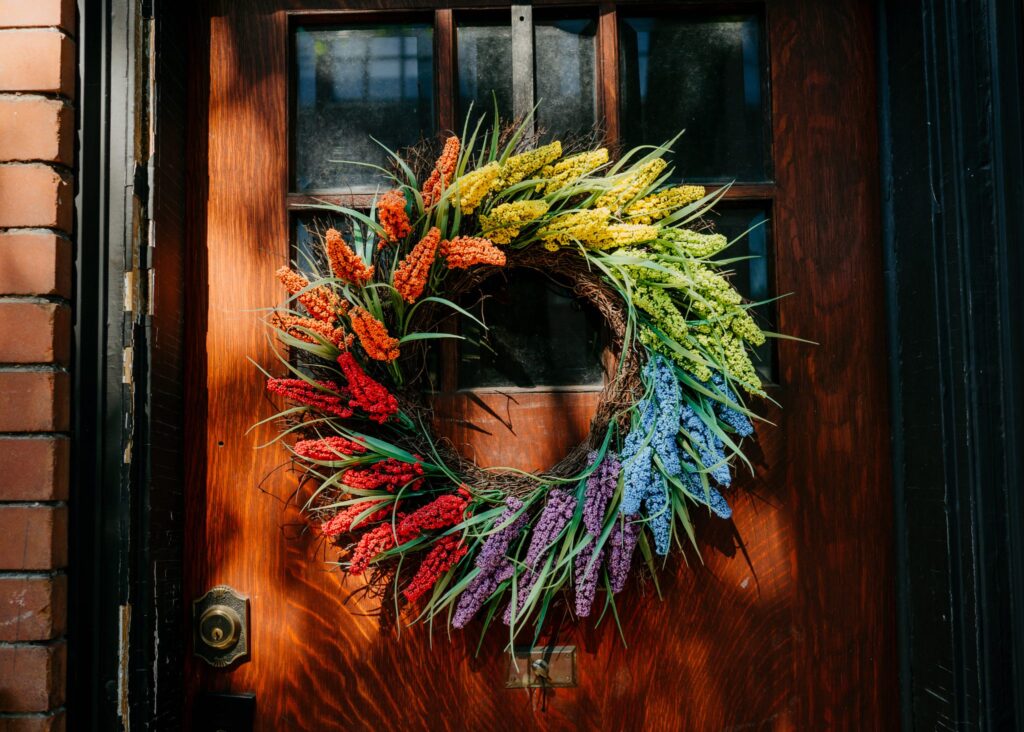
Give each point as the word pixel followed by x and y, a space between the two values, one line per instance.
pixel 392 216
pixel 411 276
pixel 295 326
pixel 373 336
pixel 345 263
pixel 320 302
pixel 444 170
pixel 463 252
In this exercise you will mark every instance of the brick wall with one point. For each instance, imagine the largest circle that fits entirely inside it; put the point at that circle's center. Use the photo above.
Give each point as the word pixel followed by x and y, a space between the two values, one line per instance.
pixel 37 127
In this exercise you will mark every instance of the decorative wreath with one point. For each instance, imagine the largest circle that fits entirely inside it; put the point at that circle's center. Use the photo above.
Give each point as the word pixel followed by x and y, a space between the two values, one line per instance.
pixel 437 535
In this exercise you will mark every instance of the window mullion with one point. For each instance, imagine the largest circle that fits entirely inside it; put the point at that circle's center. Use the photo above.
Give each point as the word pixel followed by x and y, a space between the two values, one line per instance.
pixel 444 50
pixel 608 71
pixel 522 62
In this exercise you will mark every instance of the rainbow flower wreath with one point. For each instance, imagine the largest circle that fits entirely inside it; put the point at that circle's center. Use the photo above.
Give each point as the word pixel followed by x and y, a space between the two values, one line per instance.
pixel 436 535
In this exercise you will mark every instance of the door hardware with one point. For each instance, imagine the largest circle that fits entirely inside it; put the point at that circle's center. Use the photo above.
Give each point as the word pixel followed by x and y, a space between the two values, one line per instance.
pixel 220 623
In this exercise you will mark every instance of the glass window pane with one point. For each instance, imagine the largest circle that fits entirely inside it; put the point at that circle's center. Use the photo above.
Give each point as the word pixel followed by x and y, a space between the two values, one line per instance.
pixel 753 277
pixel 352 82
pixel 538 335
pixel 706 76
pixel 484 52
pixel 565 70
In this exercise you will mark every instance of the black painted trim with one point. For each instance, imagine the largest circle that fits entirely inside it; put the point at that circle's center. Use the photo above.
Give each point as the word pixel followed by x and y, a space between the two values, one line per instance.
pixel 951 82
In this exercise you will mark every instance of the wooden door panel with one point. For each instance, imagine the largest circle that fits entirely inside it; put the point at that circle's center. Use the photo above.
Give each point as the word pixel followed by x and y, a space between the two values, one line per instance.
pixel 787 623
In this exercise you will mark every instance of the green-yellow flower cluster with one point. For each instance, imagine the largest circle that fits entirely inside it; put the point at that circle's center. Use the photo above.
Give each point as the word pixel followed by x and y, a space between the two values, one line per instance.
pixel 566 172
pixel 693 243
pixel 504 222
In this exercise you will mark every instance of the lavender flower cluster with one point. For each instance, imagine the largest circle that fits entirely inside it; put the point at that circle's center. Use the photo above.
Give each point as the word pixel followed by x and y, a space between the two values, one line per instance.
pixel 600 488
pixel 493 562
pixel 556 514
pixel 733 418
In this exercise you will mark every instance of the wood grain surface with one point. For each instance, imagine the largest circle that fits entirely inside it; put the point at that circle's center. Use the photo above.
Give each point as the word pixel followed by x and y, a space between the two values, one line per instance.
pixel 787 620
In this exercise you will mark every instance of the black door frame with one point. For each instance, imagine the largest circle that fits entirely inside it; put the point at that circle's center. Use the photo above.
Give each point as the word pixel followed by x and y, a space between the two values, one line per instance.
pixel 951 76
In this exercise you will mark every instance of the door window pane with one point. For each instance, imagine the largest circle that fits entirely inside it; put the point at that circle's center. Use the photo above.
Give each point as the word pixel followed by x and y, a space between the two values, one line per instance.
pixel 705 75
pixel 352 82
pixel 484 68
pixel 538 335
pixel 564 66
pixel 753 277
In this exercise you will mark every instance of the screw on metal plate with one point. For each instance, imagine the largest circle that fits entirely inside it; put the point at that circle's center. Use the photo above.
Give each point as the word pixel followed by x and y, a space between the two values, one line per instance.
pixel 542 667
pixel 220 626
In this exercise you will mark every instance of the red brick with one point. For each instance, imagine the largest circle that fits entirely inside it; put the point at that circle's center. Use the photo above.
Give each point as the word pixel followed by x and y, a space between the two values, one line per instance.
pixel 33 537
pixel 34 468
pixel 34 401
pixel 37 61
pixel 53 722
pixel 36 128
pixel 34 195
pixel 33 608
pixel 35 264
pixel 29 13
pixel 32 677
pixel 34 332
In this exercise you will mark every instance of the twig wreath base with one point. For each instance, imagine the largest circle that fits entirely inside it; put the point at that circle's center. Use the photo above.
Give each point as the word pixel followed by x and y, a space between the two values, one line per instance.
pixel 437 537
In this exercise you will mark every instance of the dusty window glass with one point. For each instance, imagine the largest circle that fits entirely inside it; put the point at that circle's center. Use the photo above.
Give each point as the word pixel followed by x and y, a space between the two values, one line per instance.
pixel 351 82
pixel 707 76
pixel 753 277
pixel 484 51
pixel 565 69
pixel 538 335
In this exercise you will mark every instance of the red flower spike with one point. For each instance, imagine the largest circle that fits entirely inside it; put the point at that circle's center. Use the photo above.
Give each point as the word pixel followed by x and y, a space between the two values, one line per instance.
pixel 299 391
pixel 372 543
pixel 320 302
pixel 365 393
pixel 440 513
pixel 341 522
pixel 388 475
pixel 328 448
pixel 446 553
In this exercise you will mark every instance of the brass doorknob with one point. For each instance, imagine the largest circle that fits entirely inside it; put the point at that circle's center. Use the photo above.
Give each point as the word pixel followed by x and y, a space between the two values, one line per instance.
pixel 220 627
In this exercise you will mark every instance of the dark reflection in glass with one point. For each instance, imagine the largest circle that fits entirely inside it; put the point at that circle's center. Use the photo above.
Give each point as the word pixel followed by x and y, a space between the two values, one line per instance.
pixel 538 335
pixel 485 68
pixel 564 67
pixel 307 230
pixel 752 277
pixel 351 83
pixel 704 75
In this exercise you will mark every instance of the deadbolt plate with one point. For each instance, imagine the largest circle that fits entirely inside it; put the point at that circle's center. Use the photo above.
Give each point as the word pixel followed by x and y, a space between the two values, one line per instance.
pixel 220 626
pixel 542 666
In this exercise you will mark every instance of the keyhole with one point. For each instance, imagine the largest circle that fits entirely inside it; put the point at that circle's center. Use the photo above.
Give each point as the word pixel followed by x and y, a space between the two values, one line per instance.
pixel 217 634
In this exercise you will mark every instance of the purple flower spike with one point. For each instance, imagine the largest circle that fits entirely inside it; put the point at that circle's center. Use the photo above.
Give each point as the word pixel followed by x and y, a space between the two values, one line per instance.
pixel 600 487
pixel 586 582
pixel 622 541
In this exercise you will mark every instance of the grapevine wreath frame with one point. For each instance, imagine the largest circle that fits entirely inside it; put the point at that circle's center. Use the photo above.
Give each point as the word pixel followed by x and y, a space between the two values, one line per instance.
pixel 436 535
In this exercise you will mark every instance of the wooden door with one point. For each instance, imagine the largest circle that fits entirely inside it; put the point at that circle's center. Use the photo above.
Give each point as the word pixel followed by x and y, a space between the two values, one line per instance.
pixel 789 621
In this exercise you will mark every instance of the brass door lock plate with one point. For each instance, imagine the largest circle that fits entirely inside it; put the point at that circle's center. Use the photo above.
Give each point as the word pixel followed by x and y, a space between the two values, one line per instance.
pixel 220 626
pixel 542 667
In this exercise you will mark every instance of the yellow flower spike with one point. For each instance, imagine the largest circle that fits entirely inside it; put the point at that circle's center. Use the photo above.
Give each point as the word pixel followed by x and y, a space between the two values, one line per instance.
pixel 589 227
pixel 659 205
pixel 625 235
pixel 566 172
pixel 474 186
pixel 504 222
pixel 632 185
pixel 518 167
